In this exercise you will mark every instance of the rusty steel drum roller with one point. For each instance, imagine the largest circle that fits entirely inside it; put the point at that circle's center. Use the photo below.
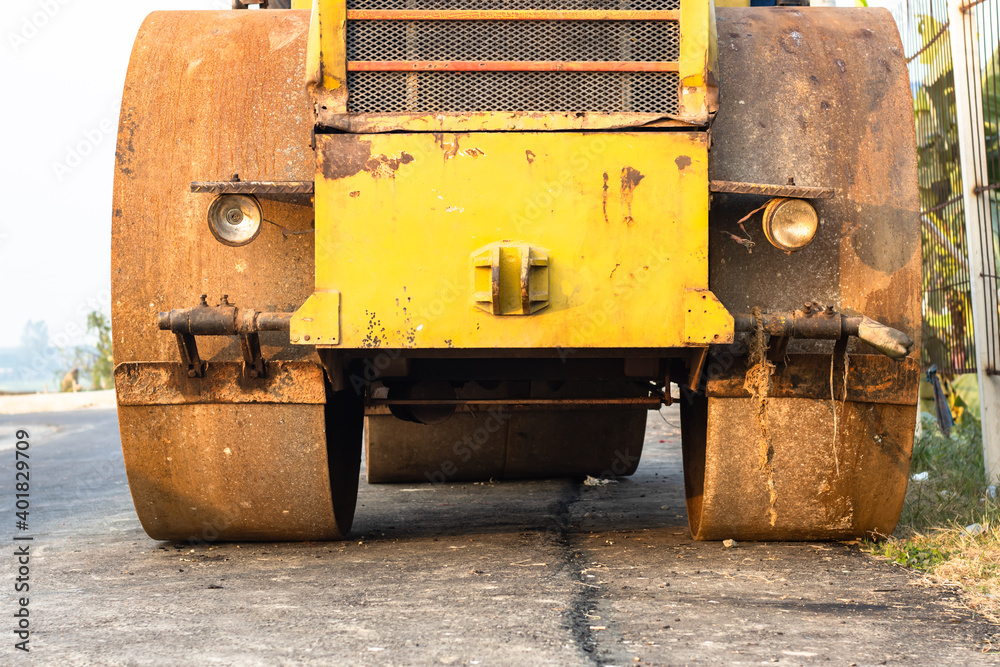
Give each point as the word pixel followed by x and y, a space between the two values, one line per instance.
pixel 509 443
pixel 211 95
pixel 820 98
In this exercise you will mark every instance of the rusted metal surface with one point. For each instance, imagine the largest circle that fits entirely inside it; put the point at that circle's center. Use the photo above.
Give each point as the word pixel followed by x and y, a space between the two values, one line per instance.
pixel 508 66
pixel 816 321
pixel 207 128
pixel 511 15
pixel 209 94
pixel 502 440
pixel 871 378
pixel 800 192
pixel 222 320
pixel 504 443
pixel 832 480
pixel 166 383
pixel 253 187
pixel 203 472
pixel 821 96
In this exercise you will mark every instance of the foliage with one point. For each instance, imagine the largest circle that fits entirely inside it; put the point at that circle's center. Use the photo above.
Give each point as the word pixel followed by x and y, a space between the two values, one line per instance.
pixel 102 368
pixel 956 477
pixel 90 362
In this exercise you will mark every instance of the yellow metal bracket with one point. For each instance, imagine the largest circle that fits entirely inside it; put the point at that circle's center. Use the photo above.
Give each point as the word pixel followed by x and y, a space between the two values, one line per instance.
pixel 510 279
pixel 707 318
pixel 317 322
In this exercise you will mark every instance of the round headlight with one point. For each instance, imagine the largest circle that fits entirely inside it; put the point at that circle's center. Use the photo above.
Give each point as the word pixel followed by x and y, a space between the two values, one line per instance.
pixel 235 219
pixel 790 224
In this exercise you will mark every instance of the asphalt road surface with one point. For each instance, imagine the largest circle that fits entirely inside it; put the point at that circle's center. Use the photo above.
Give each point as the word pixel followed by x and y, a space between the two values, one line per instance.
pixel 512 573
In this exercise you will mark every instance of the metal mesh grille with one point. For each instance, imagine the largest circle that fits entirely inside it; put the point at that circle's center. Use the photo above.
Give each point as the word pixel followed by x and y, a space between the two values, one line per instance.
pixel 644 5
pixel 433 92
pixel 513 40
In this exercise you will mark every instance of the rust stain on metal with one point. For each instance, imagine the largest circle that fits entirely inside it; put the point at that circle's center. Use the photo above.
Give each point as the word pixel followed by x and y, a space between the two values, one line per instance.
pixel 871 378
pixel 355 193
pixel 353 156
pixel 604 198
pixel 757 383
pixel 375 334
pixel 682 162
pixel 630 181
pixel 529 156
pixel 473 152
pixel 384 166
pixel 167 383
pixel 449 149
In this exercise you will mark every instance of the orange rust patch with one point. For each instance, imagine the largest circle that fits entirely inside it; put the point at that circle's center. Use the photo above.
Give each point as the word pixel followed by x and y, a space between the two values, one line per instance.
pixel 605 197
pixel 383 166
pixel 352 155
pixel 630 181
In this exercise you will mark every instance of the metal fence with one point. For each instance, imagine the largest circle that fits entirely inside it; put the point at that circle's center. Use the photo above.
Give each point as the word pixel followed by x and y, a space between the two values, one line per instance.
pixel 956 123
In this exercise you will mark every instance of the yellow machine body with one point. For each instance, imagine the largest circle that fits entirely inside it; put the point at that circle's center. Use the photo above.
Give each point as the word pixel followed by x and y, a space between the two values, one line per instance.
pixel 442 213
pixel 430 238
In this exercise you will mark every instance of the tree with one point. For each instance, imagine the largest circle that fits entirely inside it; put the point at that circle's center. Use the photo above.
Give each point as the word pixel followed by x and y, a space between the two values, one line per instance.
pixel 101 367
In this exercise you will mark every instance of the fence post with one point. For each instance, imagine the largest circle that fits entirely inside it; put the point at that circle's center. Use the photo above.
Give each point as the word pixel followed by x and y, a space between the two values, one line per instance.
pixel 979 230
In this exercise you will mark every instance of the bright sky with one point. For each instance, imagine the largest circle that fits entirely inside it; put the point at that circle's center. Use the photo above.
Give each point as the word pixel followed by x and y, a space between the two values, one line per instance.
pixel 62 69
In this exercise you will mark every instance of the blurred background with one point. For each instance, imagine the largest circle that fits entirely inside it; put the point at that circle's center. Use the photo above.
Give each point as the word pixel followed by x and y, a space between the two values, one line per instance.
pixel 63 66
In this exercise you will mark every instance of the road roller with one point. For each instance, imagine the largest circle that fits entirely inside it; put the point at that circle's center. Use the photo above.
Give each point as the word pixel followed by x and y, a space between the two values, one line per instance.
pixel 482 239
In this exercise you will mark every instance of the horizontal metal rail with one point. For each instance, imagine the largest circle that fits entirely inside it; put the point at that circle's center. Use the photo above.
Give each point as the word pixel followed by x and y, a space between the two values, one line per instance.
pixel 797 191
pixel 511 15
pixel 649 402
pixel 254 187
pixel 508 66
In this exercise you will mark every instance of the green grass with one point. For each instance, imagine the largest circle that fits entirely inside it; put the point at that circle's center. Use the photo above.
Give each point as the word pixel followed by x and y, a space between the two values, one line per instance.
pixel 932 535
pixel 956 478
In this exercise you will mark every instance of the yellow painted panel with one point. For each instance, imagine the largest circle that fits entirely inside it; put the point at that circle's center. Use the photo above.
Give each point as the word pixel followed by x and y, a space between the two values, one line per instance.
pixel 698 44
pixel 621 218
pixel 317 321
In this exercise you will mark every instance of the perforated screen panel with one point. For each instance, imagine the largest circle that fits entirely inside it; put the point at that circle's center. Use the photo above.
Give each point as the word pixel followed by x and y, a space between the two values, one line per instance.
pixel 513 40
pixel 484 41
pixel 435 92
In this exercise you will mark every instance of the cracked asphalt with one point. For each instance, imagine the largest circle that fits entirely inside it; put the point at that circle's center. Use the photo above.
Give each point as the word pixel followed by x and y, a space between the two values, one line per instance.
pixel 512 573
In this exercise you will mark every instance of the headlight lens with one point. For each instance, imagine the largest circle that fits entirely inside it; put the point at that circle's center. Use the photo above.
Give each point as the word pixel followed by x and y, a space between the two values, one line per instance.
pixel 790 224
pixel 235 219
